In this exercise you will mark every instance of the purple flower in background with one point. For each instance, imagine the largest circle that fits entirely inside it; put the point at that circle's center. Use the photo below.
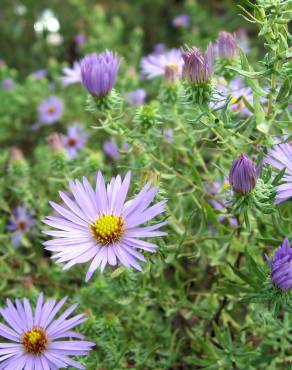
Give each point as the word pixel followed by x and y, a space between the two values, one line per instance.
pixel 181 20
pixel 111 148
pixel 75 139
pixel 99 72
pixel 136 97
pixel 220 204
pixel 159 48
pixel 280 157
pixel 227 45
pixel 39 340
pixel 39 74
pixel 19 224
pixel 242 39
pixel 243 175
pixel 80 39
pixel 71 75
pixel 50 110
pixel 154 65
pixel 8 84
pixel 168 135
pixel 239 91
pixel 101 226
pixel 198 67
pixel 281 266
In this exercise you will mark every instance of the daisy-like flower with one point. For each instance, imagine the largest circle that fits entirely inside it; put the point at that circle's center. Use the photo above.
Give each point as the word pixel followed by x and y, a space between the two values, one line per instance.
pixel 71 75
pixel 280 157
pixel 75 139
pixel 36 340
pixel 20 223
pixel 155 64
pixel 50 110
pixel 101 227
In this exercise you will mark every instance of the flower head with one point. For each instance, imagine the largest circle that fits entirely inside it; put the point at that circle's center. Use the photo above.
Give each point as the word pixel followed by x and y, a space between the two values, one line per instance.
pixel 181 20
pixel 101 227
pixel 99 72
pixel 136 97
pixel 71 75
pixel 50 110
pixel 243 175
pixel 8 84
pixel 280 157
pixel 198 67
pixel 75 139
pixel 155 64
pixel 20 223
pixel 227 45
pixel 33 338
pixel 281 266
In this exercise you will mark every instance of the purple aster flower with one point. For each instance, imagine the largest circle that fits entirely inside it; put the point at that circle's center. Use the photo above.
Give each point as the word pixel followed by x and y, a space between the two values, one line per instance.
pixel 99 72
pixel 227 45
pixel 39 74
pixel 80 38
pixel 243 174
pixel 136 97
pixel 101 227
pixel 280 157
pixel 71 75
pixel 154 65
pixel 198 67
pixel 75 139
pixel 38 340
pixel 181 20
pixel 50 110
pixel 8 84
pixel 20 223
pixel 111 149
pixel 239 91
pixel 281 266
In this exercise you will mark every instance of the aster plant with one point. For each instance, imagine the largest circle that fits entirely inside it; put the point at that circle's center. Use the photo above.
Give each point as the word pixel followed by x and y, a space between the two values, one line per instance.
pixel 228 53
pixel 20 223
pixel 38 340
pixel 101 227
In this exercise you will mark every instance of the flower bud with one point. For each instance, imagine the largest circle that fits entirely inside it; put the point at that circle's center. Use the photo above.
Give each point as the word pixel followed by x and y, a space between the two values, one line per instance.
pixel 243 175
pixel 227 45
pixel 56 142
pixel 16 154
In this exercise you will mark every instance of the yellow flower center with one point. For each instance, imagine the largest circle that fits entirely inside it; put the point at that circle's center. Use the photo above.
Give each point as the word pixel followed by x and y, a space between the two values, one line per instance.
pixel 108 229
pixel 35 341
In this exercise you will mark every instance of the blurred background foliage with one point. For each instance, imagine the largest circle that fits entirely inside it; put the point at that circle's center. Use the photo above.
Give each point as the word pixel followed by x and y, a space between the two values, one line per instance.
pixel 30 29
